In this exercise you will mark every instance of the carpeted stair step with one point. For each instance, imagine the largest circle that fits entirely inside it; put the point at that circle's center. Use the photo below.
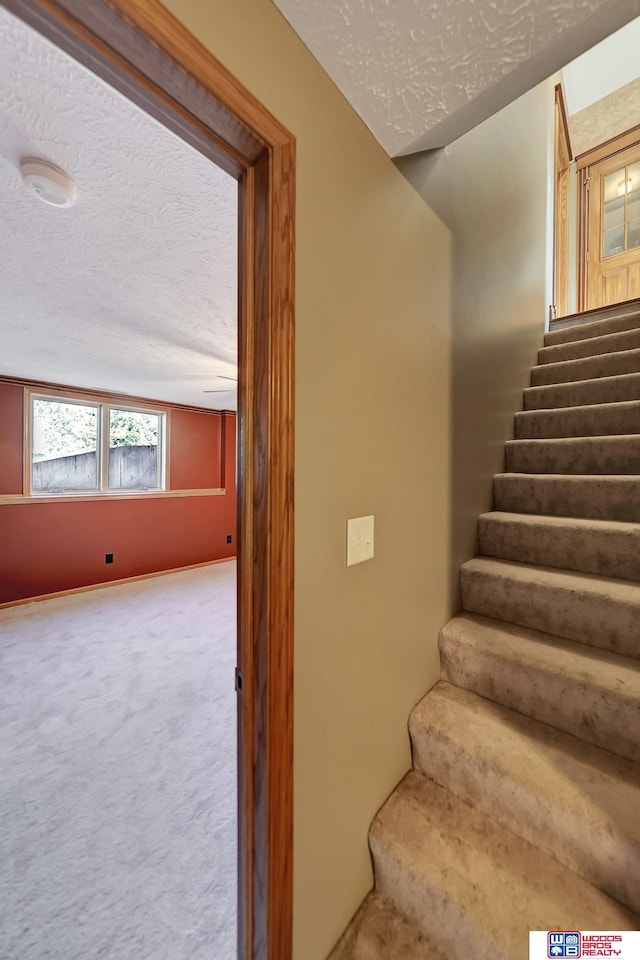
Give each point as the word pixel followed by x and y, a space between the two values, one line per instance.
pixel 597 420
pixel 472 887
pixel 595 497
pixel 599 611
pixel 588 693
pixel 583 392
pixel 591 347
pixel 568 371
pixel 578 803
pixel 601 547
pixel 595 328
pixel 379 932
pixel 575 455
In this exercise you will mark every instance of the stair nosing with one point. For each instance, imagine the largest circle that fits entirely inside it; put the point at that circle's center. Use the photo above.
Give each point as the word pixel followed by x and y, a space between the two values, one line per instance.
pixel 588 659
pixel 553 572
pixel 607 755
pixel 580 407
pixel 593 357
pixel 579 383
pixel 613 477
pixel 598 337
pixel 555 520
pixel 606 439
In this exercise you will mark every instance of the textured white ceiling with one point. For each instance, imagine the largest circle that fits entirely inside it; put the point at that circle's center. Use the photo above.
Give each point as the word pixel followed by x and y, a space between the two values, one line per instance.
pixel 422 72
pixel 134 288
pixel 605 68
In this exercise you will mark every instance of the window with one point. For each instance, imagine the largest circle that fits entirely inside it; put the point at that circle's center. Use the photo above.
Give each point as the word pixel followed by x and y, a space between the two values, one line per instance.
pixel 83 447
pixel 64 449
pixel 133 453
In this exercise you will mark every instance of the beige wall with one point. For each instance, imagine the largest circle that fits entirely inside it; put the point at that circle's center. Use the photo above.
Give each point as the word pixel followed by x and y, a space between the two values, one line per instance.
pixel 607 118
pixel 490 188
pixel 372 407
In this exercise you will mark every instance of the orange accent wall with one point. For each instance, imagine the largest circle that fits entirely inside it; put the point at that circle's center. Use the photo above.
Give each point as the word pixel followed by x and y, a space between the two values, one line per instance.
pixel 48 547
pixel 11 433
pixel 52 546
pixel 195 450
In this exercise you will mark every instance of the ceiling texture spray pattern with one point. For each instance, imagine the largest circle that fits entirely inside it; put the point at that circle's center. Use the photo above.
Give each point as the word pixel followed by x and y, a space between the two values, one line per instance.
pixel 134 288
pixel 422 72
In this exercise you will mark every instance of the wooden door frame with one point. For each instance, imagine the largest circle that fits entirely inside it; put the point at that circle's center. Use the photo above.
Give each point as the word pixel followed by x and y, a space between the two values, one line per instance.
pixel 141 49
pixel 562 157
pixel 591 157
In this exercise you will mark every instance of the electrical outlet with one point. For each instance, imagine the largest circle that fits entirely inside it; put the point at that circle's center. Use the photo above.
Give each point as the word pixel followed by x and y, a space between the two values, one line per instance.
pixel 229 538
pixel 108 558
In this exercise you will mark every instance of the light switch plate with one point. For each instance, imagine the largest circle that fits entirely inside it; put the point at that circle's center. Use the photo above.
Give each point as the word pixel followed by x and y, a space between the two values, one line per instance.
pixel 359 540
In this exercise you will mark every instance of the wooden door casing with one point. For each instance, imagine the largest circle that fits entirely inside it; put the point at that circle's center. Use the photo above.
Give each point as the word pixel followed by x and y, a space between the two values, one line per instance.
pixel 614 278
pixel 141 49
pixel 563 157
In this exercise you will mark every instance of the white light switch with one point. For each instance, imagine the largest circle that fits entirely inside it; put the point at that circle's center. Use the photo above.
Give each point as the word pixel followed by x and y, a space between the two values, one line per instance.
pixel 359 540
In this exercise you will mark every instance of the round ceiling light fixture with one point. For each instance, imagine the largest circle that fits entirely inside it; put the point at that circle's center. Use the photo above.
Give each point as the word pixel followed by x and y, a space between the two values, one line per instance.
pixel 48 182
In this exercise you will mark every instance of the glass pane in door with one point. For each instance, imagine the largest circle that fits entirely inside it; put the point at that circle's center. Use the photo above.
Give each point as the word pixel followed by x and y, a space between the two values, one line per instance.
pixel 614 185
pixel 633 196
pixel 613 241
pixel 613 213
pixel 613 210
pixel 633 234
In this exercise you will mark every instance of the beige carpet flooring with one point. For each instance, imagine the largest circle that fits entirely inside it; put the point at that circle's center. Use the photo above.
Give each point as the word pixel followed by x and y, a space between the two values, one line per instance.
pixel 118 772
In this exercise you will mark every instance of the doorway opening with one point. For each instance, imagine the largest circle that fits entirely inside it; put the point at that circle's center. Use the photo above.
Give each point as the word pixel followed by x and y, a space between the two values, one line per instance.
pixel 597 177
pixel 144 53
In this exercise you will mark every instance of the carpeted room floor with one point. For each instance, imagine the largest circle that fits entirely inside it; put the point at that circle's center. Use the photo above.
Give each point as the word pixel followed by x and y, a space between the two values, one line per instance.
pixel 118 772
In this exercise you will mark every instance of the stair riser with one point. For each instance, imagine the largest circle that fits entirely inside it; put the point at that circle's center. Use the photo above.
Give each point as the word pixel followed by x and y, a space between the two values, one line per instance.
pixel 422 904
pixel 594 347
pixel 606 553
pixel 596 716
pixel 605 390
pixel 573 614
pixel 595 498
pixel 586 331
pixel 603 421
pixel 378 931
pixel 612 365
pixel 575 456
pixel 592 845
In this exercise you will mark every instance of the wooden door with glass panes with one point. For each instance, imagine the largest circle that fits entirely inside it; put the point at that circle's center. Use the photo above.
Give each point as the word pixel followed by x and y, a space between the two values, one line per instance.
pixel 613 251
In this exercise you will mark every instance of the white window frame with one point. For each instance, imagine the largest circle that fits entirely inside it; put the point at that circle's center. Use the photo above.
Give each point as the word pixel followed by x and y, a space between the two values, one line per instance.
pixel 104 408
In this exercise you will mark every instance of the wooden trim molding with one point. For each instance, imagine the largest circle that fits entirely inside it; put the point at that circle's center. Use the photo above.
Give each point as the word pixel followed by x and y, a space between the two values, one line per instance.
pixel 143 51
pixel 106 396
pixel 597 313
pixel 562 160
pixel 126 495
pixel 610 147
pixel 559 94
pixel 583 234
pixel 110 583
pixel 26 444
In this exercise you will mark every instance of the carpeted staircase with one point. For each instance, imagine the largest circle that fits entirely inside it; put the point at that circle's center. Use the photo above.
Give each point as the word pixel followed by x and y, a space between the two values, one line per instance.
pixel 522 811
